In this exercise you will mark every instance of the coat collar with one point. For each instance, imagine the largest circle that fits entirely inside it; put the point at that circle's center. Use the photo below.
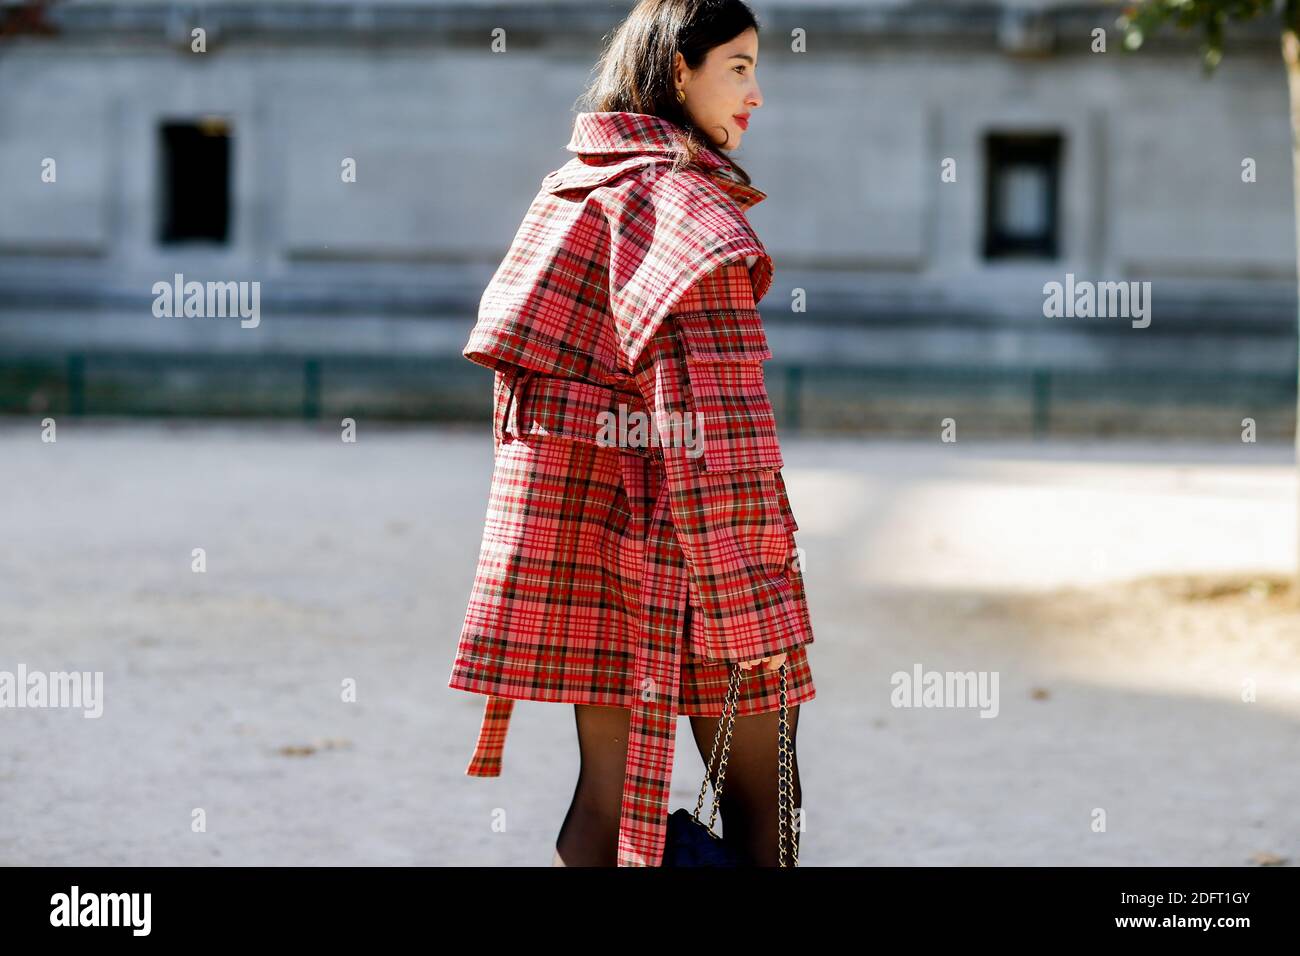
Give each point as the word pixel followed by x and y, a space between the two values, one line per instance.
pixel 623 140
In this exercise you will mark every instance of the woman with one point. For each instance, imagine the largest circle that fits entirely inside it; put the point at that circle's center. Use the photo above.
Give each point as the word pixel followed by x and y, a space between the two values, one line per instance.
pixel 639 540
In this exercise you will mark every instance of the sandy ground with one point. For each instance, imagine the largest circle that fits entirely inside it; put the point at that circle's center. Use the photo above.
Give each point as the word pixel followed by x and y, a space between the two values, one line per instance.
pixel 1124 595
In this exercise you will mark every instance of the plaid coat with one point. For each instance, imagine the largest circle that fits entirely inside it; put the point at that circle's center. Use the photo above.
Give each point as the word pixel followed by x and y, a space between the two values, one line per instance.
pixel 638 535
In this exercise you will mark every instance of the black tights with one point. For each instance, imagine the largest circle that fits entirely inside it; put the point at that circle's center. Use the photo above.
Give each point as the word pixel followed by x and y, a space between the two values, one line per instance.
pixel 748 807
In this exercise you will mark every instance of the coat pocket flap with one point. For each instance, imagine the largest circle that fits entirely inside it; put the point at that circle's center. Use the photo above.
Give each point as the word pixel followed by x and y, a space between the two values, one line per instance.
pixel 736 423
pixel 724 335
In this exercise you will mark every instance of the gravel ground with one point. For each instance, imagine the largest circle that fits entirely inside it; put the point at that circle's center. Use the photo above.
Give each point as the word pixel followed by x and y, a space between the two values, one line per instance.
pixel 1123 594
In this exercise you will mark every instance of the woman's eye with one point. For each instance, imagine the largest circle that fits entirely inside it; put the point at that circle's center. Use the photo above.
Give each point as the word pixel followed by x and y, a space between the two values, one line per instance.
pixel 740 69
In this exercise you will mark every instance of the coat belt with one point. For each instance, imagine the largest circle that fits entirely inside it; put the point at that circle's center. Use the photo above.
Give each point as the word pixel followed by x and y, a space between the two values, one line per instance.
pixel 539 404
pixel 549 405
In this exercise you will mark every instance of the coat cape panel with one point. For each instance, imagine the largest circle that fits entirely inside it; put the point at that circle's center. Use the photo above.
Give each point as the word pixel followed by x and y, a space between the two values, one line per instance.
pixel 605 252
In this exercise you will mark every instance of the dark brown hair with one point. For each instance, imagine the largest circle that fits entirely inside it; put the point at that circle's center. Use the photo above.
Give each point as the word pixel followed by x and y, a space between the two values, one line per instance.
pixel 635 71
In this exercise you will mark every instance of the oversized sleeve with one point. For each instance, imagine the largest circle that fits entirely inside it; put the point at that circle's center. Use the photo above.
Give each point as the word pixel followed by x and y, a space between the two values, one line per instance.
pixel 701 377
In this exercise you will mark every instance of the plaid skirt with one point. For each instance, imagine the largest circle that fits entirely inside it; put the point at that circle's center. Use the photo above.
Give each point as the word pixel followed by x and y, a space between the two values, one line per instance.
pixel 491 667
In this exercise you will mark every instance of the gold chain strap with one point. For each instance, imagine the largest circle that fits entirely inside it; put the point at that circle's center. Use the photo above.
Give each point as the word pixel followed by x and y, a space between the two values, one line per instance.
pixel 785 783
pixel 727 721
pixel 785 765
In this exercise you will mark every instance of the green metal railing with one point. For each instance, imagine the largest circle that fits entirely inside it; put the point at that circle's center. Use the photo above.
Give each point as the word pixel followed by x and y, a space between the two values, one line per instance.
pixel 896 398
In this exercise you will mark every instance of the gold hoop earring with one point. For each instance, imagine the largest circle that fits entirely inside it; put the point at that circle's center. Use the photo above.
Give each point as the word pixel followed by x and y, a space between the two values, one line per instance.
pixel 681 97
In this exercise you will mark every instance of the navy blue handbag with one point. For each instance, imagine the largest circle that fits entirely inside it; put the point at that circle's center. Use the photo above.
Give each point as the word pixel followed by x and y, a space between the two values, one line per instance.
pixel 690 841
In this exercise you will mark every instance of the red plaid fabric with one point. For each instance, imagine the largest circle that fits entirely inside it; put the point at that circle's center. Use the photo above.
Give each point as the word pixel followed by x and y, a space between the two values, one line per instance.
pixel 608 245
pixel 729 511
pixel 626 300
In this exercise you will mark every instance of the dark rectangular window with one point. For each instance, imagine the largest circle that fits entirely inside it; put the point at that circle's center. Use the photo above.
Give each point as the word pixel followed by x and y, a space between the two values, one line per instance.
pixel 1021 187
pixel 195 181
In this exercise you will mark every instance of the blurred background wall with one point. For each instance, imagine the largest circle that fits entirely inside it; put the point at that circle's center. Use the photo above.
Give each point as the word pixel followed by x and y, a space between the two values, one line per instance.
pixel 895 290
